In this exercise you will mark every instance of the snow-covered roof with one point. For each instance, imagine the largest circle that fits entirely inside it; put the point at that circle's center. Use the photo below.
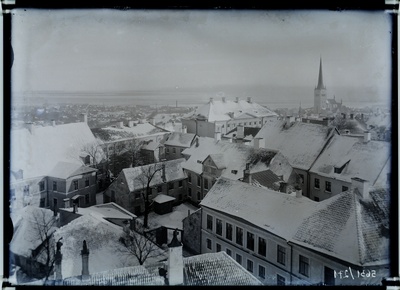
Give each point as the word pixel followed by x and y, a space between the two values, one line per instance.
pixel 229 110
pixel 349 228
pixel 65 170
pixel 345 226
pixel 276 212
pixel 162 198
pixel 107 211
pixel 358 159
pixel 233 157
pixel 38 152
pixel 300 143
pixel 136 177
pixel 179 139
pixel 200 270
pixel 28 223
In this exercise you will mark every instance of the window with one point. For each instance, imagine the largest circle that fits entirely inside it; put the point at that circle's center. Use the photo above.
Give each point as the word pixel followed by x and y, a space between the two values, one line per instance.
pixel 239 259
pixel 198 181
pixel 345 188
pixel 112 196
pixel 167 150
pixel 259 122
pixel 54 185
pixel 218 247
pixel 281 255
pixel 75 184
pixel 250 241
pixel 219 227
pixel 189 192
pixel 198 195
pixel 229 252
pixel 209 246
pixel 303 265
pixel 41 185
pixel 280 281
pixel 26 189
pixel 262 247
pixel 316 183
pixel 43 202
pixel 189 177
pixel 229 231
pixel 170 185
pixel 316 198
pixel 159 188
pixel 180 183
pixel 239 236
pixel 209 222
pixel 245 123
pixel 205 183
pixel 87 182
pixel 87 198
pixel 173 150
pixel 328 186
pixel 261 271
pixel 250 266
pixel 301 178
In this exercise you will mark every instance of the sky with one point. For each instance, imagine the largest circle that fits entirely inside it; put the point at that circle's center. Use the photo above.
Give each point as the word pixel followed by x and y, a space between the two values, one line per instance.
pixel 196 54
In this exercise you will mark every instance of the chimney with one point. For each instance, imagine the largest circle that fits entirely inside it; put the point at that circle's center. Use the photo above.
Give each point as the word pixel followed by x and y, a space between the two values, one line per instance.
pixel 130 124
pixel 57 261
pixel 84 118
pixel 237 99
pixel 85 261
pixel 121 124
pixel 31 127
pixel 53 123
pixel 362 187
pixel 217 136
pixel 164 179
pixel 259 143
pixel 246 174
pixel 184 129
pixel 249 100
pixel 211 100
pixel 175 261
pixel 223 100
pixel 367 136
pixel 197 142
pixel 240 132
pixel 299 192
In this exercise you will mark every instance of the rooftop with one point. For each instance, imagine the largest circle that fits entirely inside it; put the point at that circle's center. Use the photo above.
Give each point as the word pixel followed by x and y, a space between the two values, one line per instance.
pixel 180 139
pixel 65 170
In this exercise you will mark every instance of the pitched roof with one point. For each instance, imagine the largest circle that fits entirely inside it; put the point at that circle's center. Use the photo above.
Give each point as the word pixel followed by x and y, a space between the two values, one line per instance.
pixel 359 159
pixel 266 178
pixel 264 208
pixel 38 152
pixel 228 110
pixel 137 176
pixel 300 142
pixel 234 156
pixel 179 139
pixel 200 270
pixel 162 198
pixel 349 228
pixel 65 170
pixel 107 211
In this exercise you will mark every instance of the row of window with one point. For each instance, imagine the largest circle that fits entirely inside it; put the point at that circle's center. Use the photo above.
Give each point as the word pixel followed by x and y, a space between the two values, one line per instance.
pixel 75 182
pixel 304 263
pixel 241 124
pixel 190 194
pixel 328 185
pixel 173 150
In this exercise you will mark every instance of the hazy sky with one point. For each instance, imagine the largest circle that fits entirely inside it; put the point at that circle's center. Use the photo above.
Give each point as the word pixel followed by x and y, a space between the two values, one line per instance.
pixel 240 53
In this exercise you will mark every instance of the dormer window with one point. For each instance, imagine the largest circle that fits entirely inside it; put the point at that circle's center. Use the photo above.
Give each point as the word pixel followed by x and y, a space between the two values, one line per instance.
pixel 338 168
pixel 234 171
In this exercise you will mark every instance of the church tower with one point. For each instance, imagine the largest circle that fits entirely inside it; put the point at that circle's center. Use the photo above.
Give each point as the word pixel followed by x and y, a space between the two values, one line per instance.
pixel 320 92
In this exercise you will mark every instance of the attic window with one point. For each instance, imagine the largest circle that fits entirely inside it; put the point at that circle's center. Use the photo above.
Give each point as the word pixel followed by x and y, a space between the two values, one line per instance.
pixel 199 161
pixel 234 171
pixel 339 168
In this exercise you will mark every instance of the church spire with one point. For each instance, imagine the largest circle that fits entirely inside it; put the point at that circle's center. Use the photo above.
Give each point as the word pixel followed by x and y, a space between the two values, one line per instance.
pixel 320 80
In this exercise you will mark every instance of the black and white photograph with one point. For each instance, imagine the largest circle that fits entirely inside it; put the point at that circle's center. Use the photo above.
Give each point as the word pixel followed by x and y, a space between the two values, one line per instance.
pixel 200 147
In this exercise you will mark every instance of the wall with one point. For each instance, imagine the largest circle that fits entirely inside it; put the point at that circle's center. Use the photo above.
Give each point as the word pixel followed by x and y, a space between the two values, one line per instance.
pixel 336 187
pixel 21 198
pixel 192 232
pixel 194 187
pixel 169 152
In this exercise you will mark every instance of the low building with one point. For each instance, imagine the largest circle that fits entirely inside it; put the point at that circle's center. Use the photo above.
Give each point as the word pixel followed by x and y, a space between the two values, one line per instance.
pixel 129 188
pixel 287 239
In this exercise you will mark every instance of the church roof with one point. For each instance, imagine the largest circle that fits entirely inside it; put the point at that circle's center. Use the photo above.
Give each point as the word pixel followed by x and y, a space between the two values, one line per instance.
pixel 320 78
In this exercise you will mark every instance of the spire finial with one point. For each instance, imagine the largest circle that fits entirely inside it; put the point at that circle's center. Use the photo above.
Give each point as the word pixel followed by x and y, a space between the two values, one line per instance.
pixel 320 79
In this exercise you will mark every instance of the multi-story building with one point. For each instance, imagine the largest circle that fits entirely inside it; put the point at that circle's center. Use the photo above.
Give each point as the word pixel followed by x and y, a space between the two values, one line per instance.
pixel 287 239
pixel 349 157
pixel 164 177
pixel 176 142
pixel 208 159
pixel 223 116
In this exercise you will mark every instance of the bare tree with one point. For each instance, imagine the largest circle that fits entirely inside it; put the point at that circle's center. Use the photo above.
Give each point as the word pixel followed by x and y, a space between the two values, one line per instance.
pixel 93 150
pixel 145 178
pixel 43 226
pixel 342 124
pixel 137 245
pixel 133 150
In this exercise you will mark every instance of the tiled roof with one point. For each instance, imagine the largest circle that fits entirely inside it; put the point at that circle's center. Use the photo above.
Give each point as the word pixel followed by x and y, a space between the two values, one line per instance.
pixel 38 152
pixel 349 228
pixel 266 178
pixel 137 175
pixel 224 111
pixel 300 143
pixel 360 159
pixel 179 139
pixel 65 170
